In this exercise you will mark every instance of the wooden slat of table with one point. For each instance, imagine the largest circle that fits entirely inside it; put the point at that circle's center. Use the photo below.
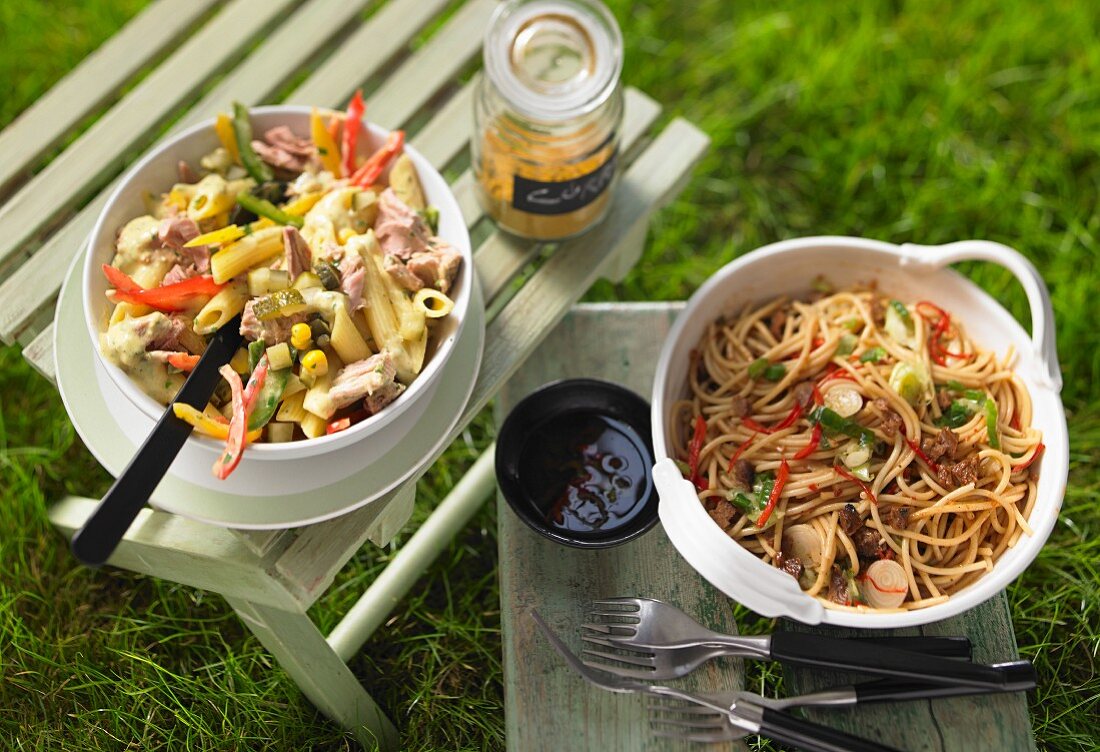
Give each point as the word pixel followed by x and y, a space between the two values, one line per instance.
pixel 101 150
pixel 991 723
pixel 98 78
pixel 547 705
pixel 444 138
pixel 34 285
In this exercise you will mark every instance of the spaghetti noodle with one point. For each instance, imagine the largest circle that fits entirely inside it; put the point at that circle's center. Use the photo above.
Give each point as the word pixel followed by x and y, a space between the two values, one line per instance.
pixel 864 445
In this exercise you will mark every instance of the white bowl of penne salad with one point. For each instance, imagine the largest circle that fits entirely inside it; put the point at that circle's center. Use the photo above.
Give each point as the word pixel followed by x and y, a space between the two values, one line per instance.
pixel 850 432
pixel 342 249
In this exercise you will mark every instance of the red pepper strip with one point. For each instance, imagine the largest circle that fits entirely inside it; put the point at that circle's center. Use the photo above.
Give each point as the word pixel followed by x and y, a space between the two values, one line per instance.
pixel 818 399
pixel 174 297
pixel 866 488
pixel 238 427
pixel 780 481
pixel 813 487
pixel 695 448
pixel 243 402
pixel 372 168
pixel 740 450
pixel 792 416
pixel 867 578
pixel 916 448
pixel 752 425
pixel 815 442
pixel 1025 465
pixel 338 425
pixel 352 124
pixel 183 361
pixel 1015 422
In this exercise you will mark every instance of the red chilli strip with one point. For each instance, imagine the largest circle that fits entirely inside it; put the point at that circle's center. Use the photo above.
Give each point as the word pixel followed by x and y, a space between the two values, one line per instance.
pixel 752 425
pixel 875 585
pixel 916 448
pixel 792 416
pixel 695 448
pixel 866 488
pixel 815 442
pixel 740 450
pixel 814 487
pixel 1015 422
pixel 1031 460
pixel 819 400
pixel 780 481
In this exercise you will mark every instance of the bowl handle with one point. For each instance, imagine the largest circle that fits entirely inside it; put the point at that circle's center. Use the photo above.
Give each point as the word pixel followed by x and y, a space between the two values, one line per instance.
pixel 1038 297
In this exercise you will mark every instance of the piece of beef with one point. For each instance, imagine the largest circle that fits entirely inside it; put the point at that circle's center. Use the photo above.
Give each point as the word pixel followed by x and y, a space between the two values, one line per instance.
pixel 838 586
pixel 740 406
pixel 891 421
pixel 943 399
pixel 186 174
pixel 396 268
pixel 869 543
pixel 878 311
pixel 850 520
pixel 437 267
pixel 776 322
pixel 744 474
pixel 896 517
pixel 400 230
pixel 943 446
pixel 177 336
pixel 373 403
pixel 272 331
pixel 966 471
pixel 298 256
pixel 803 394
pixel 285 151
pixel 362 378
pixel 792 565
pixel 723 513
pixel 353 275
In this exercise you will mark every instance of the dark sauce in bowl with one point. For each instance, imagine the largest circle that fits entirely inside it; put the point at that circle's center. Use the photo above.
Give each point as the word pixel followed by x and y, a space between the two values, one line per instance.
pixel 585 472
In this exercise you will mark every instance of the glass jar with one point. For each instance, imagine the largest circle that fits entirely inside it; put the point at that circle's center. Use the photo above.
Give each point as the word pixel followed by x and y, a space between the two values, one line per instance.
pixel 547 116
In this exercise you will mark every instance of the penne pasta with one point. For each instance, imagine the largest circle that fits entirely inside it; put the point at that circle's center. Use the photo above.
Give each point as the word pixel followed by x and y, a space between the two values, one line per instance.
pixel 292 411
pixel 317 399
pixel 314 426
pixel 251 250
pixel 433 303
pixel 345 338
pixel 220 309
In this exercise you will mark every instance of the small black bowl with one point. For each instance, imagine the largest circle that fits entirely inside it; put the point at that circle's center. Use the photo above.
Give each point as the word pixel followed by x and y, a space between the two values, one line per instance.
pixel 556 404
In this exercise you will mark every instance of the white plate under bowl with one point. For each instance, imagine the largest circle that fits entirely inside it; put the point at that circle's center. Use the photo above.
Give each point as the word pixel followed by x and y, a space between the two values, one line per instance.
pixel 289 493
pixel 158 171
pixel 909 272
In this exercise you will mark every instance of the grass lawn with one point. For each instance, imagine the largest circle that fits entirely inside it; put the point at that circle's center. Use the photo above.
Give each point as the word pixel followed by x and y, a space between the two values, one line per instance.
pixel 924 122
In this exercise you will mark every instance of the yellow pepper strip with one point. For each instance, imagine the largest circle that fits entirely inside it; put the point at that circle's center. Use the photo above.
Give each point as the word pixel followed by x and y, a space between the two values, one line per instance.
pixel 239 362
pixel 327 149
pixel 223 126
pixel 303 203
pixel 206 425
pixel 217 237
pixel 259 224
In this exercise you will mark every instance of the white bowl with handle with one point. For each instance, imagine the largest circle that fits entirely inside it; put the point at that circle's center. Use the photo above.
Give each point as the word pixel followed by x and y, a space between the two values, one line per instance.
pixel 909 272
pixel 157 172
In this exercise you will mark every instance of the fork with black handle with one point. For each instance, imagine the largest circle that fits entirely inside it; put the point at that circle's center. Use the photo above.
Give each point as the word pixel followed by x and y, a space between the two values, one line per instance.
pixel 648 636
pixel 744 718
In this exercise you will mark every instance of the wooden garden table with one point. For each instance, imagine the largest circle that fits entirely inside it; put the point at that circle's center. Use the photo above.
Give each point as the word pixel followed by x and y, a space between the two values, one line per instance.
pixel 419 76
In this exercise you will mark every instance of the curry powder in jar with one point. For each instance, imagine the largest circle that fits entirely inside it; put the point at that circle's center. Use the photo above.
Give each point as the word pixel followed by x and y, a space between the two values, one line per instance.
pixel 548 114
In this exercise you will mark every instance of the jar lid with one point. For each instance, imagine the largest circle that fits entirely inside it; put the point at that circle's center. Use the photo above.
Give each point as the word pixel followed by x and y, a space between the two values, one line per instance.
pixel 553 59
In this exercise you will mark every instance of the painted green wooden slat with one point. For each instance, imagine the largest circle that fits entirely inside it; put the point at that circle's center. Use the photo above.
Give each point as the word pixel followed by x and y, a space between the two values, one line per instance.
pixel 184 551
pixel 39 353
pixel 546 705
pixel 325 679
pixel 442 139
pixel 35 284
pixel 101 151
pixel 95 80
pixel 990 723
pixel 363 53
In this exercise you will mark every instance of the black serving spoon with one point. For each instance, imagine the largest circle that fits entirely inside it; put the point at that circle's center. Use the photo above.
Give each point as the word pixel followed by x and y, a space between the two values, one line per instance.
pixel 96 540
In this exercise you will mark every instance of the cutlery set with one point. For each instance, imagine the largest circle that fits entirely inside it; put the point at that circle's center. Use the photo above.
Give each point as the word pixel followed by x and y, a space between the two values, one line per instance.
pixel 631 642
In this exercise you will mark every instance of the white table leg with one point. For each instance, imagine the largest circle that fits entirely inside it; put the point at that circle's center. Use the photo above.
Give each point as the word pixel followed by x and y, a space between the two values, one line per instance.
pixel 324 678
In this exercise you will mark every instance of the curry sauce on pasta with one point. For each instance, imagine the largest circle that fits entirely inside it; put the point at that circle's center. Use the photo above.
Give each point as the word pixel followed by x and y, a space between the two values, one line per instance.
pixel 862 444
pixel 331 261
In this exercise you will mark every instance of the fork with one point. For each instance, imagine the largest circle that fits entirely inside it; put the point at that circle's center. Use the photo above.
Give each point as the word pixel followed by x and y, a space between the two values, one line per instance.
pixel 741 717
pixel 655 641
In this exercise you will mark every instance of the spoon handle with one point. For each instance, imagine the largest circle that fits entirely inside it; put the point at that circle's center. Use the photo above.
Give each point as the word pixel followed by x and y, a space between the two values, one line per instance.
pixel 96 540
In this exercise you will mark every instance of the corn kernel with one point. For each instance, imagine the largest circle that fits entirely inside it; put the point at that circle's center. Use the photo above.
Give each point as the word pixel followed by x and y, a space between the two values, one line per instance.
pixel 301 336
pixel 345 235
pixel 315 362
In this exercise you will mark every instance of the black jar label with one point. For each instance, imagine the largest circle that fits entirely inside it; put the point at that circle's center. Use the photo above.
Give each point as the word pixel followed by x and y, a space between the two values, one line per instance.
pixel 562 197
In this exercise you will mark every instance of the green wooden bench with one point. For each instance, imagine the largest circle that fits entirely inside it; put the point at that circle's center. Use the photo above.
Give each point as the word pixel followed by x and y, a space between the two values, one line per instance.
pixel 548 707
pixel 199 55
